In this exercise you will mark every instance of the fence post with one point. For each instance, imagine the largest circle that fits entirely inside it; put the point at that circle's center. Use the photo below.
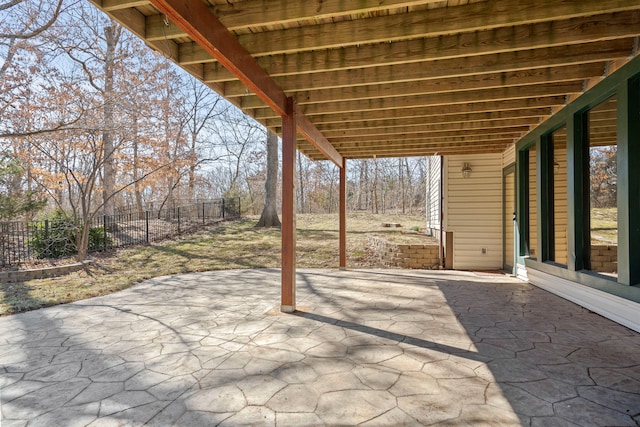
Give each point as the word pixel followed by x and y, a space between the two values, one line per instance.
pixel 46 239
pixel 203 218
pixel 178 219
pixel 147 225
pixel 223 208
pixel 104 230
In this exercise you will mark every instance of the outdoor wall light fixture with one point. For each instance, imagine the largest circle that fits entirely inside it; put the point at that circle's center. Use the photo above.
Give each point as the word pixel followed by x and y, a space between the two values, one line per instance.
pixel 466 170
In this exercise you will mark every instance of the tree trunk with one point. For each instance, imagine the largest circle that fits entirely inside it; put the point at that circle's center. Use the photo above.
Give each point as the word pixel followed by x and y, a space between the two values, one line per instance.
pixel 192 166
pixel 300 184
pixel 111 37
pixel 374 189
pixel 269 217
pixel 137 186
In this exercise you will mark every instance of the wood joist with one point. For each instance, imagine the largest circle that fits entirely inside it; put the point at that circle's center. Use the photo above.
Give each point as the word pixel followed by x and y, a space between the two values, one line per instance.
pixel 399 77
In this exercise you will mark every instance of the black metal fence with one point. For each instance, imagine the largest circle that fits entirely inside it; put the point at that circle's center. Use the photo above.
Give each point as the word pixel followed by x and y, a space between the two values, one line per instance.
pixel 22 241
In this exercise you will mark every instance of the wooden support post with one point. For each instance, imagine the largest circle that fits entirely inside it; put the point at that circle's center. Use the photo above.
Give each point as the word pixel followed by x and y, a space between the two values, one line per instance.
pixel 288 301
pixel 343 215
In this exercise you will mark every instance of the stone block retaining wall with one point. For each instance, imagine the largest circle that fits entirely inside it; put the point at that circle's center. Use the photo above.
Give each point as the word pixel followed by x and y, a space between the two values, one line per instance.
pixel 604 258
pixel 41 273
pixel 403 255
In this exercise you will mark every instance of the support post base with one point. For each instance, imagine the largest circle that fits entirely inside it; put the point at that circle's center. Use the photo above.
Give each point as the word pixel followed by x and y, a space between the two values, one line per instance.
pixel 287 308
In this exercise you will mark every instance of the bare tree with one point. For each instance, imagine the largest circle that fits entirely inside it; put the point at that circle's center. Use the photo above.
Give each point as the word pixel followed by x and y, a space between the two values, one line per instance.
pixel 202 108
pixel 23 20
pixel 237 136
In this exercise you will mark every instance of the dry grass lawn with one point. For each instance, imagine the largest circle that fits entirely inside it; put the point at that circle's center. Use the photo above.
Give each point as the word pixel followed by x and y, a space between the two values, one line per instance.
pixel 227 246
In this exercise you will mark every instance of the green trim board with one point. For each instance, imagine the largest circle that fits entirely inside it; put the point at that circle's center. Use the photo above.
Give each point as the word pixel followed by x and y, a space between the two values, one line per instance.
pixel 522 203
pixel 628 121
pixel 545 195
pixel 625 83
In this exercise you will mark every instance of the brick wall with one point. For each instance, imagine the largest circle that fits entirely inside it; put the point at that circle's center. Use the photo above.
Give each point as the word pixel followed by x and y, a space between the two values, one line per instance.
pixel 604 258
pixel 404 256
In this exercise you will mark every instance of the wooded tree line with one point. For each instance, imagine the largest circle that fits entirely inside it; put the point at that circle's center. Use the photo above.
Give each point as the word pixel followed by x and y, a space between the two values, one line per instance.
pixel 603 173
pixel 92 121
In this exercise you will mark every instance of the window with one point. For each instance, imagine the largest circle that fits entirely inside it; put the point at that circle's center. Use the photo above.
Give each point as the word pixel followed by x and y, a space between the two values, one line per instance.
pixel 602 180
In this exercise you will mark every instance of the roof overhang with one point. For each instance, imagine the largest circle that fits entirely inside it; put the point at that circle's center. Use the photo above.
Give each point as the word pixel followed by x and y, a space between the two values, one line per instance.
pixel 393 78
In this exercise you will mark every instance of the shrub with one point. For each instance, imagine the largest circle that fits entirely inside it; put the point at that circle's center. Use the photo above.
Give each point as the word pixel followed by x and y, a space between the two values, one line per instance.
pixel 56 237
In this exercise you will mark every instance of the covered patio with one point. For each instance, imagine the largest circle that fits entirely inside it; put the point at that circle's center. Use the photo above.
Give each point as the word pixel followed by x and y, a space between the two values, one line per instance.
pixel 477 82
pixel 367 347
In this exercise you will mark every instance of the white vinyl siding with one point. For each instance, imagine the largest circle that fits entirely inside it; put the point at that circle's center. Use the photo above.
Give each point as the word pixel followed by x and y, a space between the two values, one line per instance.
pixel 509 156
pixel 473 211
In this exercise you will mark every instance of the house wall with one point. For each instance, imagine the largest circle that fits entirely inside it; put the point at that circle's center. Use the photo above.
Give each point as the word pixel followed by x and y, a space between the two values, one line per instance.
pixel 473 211
pixel 509 156
pixel 433 198
pixel 565 271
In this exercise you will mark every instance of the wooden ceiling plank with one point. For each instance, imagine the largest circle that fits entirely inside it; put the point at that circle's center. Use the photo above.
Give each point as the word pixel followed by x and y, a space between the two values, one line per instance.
pixel 113 5
pixel 429 152
pixel 433 144
pixel 421 127
pixel 431 139
pixel 268 13
pixel 483 106
pixel 413 145
pixel 407 136
pixel 434 113
pixel 445 86
pixel 444 100
pixel 263 13
pixel 530 113
pixel 510 39
pixel 430 23
pixel 509 62
pixel 204 28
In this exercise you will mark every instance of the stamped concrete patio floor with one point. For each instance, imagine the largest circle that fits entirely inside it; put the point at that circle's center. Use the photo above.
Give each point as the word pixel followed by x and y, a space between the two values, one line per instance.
pixel 367 347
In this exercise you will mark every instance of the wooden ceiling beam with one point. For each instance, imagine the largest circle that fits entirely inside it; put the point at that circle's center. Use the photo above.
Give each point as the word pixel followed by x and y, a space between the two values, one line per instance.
pixel 414 150
pixel 205 29
pixel 423 127
pixel 419 24
pixel 510 39
pixel 445 100
pixel 268 13
pixel 113 5
pixel 427 152
pixel 512 132
pixel 509 62
pixel 455 139
pixel 413 120
pixel 444 86
pixel 428 113
pixel 482 106
pixel 377 145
